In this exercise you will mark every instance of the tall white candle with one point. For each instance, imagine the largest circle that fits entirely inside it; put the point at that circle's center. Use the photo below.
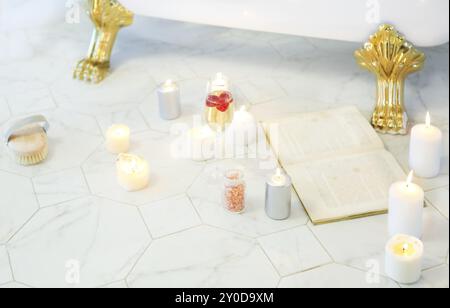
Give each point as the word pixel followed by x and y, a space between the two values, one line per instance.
pixel 118 139
pixel 404 257
pixel 426 149
pixel 406 203
pixel 132 172
pixel 278 196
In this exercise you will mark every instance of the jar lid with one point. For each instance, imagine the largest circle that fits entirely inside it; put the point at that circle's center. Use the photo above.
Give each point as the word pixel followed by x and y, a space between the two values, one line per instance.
pixel 233 176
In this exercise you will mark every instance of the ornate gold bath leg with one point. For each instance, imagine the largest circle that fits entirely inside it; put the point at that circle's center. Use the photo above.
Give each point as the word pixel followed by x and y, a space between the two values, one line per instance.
pixel 108 16
pixel 391 58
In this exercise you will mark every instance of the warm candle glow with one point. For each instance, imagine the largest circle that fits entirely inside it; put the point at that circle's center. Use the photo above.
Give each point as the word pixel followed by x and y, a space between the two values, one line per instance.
pixel 279 178
pixel 118 139
pixel 132 172
pixel 131 164
pixel 428 120
pixel 169 85
pixel 405 248
pixel 279 173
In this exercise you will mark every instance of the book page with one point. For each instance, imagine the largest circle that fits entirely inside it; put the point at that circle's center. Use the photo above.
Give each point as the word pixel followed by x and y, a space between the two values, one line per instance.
pixel 347 186
pixel 319 135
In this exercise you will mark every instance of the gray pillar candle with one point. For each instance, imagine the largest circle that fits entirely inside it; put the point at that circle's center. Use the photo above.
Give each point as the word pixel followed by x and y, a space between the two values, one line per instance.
pixel 169 100
pixel 278 196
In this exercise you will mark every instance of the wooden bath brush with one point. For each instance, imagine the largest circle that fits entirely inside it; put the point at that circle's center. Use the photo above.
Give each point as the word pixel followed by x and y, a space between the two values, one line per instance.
pixel 26 140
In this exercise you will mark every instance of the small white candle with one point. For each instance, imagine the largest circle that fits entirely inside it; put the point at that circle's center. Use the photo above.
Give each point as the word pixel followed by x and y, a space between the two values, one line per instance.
pixel 278 196
pixel 201 141
pixel 426 149
pixel 406 203
pixel 404 257
pixel 244 127
pixel 132 172
pixel 118 139
pixel 169 100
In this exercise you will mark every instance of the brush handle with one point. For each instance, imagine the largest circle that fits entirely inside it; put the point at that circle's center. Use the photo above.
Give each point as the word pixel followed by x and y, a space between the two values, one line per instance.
pixel 19 124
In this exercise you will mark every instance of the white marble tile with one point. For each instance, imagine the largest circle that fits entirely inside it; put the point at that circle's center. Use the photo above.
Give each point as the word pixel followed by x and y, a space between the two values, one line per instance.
pixel 204 257
pixel 334 276
pixel 132 118
pixel 72 138
pixel 5 268
pixel 238 63
pixel 362 241
pixel 433 278
pixel 207 196
pixel 172 71
pixel 116 285
pixel 439 198
pixel 110 96
pixel 31 101
pixel 294 48
pixel 168 177
pixel 170 216
pixel 60 187
pixel 4 111
pixel 294 251
pixel 96 238
pixel 18 203
pixel 260 90
pixel 13 285
pixel 287 106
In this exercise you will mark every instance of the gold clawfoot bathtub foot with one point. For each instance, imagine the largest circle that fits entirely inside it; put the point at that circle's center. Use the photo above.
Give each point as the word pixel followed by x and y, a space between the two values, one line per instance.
pixel 108 17
pixel 391 58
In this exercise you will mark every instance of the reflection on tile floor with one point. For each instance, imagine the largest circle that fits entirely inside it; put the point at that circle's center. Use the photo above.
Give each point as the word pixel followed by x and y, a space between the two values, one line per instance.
pixel 70 214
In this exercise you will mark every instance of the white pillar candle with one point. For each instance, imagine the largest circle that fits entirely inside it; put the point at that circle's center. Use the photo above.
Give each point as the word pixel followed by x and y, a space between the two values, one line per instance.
pixel 426 149
pixel 278 196
pixel 404 257
pixel 169 100
pixel 244 127
pixel 201 141
pixel 118 139
pixel 406 203
pixel 132 172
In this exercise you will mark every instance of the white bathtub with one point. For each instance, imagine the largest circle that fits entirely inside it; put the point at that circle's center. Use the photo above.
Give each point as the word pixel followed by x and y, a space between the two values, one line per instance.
pixel 423 22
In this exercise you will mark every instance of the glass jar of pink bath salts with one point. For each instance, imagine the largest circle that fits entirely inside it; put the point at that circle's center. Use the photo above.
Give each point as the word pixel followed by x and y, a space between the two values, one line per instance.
pixel 234 191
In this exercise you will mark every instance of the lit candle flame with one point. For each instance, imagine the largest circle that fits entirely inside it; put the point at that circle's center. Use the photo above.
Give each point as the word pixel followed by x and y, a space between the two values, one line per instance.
pixel 428 120
pixel 279 177
pixel 405 248
pixel 279 173
pixel 410 178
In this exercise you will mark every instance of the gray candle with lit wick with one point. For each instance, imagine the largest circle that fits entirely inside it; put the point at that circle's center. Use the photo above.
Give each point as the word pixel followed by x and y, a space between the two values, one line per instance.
pixel 278 196
pixel 169 100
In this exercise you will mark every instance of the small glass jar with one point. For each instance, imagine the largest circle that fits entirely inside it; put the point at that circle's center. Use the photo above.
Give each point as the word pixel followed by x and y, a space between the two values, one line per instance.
pixel 234 191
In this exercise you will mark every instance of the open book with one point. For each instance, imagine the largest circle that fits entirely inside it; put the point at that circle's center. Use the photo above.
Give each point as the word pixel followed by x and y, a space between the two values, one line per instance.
pixel 338 164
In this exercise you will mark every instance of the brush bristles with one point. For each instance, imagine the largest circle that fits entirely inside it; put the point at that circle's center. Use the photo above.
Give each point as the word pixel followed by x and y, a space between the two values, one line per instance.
pixel 32 158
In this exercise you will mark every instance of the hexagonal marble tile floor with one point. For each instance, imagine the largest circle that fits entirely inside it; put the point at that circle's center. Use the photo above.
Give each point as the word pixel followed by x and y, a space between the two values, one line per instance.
pixel 66 223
